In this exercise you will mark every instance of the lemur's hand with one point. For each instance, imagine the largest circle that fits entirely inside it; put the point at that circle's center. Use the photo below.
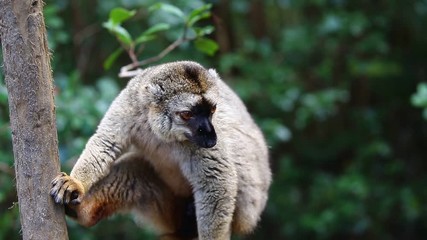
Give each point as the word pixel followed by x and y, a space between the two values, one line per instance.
pixel 67 190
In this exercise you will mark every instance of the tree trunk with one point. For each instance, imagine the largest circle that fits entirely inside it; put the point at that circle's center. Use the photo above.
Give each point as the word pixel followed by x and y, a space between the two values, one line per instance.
pixel 32 116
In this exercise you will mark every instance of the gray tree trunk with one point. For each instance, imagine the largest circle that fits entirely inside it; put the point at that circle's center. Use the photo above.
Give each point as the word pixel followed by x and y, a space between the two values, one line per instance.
pixel 28 78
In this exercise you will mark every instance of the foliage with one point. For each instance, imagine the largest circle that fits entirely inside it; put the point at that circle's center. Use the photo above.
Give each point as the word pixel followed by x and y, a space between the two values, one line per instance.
pixel 333 84
pixel 134 46
pixel 419 99
pixel 73 98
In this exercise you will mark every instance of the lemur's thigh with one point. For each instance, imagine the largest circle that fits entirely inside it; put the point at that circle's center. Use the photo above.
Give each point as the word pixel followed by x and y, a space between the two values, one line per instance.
pixel 133 184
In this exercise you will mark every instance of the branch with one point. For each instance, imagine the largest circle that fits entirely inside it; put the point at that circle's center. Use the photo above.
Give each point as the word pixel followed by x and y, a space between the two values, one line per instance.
pixel 128 72
pixel 29 82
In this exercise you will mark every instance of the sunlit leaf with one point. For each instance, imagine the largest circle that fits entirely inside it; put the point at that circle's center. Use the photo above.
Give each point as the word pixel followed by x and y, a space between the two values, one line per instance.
pixel 109 25
pixel 200 10
pixel 121 33
pixel 119 15
pixel 198 14
pixel 204 30
pixel 156 28
pixel 198 18
pixel 167 8
pixel 144 38
pixel 206 46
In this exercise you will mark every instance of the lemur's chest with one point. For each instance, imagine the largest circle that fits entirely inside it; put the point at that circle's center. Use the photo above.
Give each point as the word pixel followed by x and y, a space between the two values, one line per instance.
pixel 167 167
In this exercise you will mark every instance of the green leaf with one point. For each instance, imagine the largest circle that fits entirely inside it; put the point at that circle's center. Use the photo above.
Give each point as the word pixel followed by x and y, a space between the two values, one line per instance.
pixel 204 30
pixel 148 34
pixel 119 15
pixel 121 33
pixel 156 28
pixel 199 11
pixel 198 14
pixel 112 58
pixel 167 8
pixel 197 18
pixel 206 46
pixel 109 25
pixel 144 38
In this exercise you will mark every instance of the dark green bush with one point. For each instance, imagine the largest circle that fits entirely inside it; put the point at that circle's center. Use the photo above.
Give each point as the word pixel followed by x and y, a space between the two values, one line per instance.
pixel 333 84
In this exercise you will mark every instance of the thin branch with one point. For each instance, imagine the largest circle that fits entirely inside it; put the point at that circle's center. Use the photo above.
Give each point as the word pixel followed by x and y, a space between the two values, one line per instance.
pixel 132 55
pixel 127 71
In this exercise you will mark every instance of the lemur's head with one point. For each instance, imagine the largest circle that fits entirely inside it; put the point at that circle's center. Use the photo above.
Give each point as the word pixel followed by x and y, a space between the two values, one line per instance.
pixel 182 103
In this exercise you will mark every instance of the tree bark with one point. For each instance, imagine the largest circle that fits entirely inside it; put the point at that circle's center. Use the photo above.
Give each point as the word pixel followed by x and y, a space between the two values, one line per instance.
pixel 32 116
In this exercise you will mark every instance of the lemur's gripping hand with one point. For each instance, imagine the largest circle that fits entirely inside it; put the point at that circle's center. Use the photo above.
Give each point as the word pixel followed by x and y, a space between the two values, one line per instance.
pixel 67 190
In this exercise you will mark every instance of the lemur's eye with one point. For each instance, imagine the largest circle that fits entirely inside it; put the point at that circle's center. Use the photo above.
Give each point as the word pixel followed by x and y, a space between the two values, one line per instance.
pixel 213 109
pixel 185 115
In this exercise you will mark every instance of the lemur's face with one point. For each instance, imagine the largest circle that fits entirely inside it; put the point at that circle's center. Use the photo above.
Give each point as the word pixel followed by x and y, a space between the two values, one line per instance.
pixel 185 118
pixel 194 122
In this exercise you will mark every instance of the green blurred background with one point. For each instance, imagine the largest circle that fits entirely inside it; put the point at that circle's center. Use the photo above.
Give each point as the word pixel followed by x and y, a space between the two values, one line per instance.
pixel 336 86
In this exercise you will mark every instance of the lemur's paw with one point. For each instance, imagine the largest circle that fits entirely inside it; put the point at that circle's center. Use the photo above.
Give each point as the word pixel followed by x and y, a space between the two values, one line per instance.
pixel 66 190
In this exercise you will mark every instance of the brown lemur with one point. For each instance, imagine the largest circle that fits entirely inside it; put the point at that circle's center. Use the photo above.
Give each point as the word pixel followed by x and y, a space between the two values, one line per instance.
pixel 178 148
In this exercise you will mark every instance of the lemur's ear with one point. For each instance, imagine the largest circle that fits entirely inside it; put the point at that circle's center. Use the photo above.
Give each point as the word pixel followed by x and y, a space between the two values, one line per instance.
pixel 156 91
pixel 212 73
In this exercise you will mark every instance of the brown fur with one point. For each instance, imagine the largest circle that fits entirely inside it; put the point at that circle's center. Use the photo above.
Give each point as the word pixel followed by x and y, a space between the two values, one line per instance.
pixel 143 159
